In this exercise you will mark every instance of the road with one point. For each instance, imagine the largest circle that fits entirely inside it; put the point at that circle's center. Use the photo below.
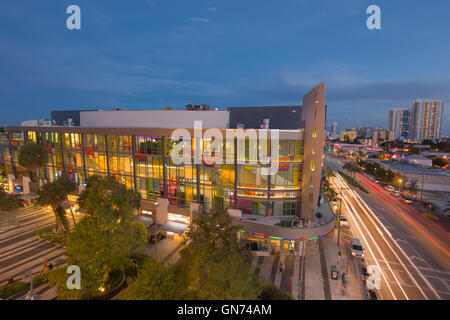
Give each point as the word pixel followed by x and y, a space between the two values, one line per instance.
pixel 21 250
pixel 411 251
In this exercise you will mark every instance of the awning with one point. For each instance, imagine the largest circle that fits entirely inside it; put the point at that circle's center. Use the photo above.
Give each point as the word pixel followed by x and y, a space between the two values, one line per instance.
pixel 175 227
pixel 145 219
pixel 28 196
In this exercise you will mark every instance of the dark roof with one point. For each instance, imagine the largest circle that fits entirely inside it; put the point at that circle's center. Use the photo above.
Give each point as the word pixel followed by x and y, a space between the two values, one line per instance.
pixel 281 117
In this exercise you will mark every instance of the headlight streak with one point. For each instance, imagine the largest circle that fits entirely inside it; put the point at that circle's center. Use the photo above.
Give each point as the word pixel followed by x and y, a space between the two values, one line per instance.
pixel 365 241
pixel 363 206
pixel 376 245
pixel 403 252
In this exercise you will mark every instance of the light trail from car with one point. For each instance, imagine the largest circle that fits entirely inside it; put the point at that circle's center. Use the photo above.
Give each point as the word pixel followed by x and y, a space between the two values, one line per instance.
pixel 353 213
pixel 414 223
pixel 371 215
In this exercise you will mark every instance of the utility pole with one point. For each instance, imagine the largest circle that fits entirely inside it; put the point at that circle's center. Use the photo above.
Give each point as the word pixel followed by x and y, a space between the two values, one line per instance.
pixel 339 223
pixel 423 173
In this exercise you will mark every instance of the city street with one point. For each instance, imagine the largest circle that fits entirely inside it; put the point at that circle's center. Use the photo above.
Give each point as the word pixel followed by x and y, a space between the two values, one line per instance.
pixel 21 250
pixel 410 250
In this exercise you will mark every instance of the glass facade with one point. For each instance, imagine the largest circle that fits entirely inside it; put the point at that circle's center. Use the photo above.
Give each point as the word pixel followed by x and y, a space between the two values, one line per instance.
pixel 143 163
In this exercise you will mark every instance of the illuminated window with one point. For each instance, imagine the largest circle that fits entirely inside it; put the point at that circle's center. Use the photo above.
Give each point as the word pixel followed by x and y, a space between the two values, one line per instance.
pixel 312 165
pixel 314 132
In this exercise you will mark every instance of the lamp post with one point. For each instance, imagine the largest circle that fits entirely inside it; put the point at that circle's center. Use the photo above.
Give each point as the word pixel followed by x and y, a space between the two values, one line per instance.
pixel 30 295
pixel 339 222
pixel 156 232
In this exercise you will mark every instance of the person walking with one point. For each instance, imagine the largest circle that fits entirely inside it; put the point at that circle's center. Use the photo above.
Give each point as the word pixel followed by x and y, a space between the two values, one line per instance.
pixel 282 267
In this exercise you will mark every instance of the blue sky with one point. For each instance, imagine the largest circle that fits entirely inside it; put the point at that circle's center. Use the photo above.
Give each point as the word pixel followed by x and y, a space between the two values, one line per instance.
pixel 147 54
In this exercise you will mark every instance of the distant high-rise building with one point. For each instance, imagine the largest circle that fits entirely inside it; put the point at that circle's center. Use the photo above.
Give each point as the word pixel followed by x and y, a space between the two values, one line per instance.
pixel 348 136
pixel 382 135
pixel 365 132
pixel 334 127
pixel 399 122
pixel 426 119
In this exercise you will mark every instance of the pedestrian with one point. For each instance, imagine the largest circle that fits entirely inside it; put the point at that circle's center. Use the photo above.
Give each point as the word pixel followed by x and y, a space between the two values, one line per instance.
pixel 10 280
pixel 50 266
pixel 45 265
pixel 344 279
pixel 282 267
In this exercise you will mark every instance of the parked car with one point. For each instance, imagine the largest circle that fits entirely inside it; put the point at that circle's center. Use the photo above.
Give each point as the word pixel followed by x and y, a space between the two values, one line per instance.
pixel 156 237
pixel 357 249
pixel 396 193
pixel 389 188
pixel 372 295
pixel 407 200
pixel 343 221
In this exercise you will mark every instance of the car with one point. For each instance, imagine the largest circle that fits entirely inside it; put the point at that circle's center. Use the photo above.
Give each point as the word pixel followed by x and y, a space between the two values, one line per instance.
pixel 343 221
pixel 396 193
pixel 156 237
pixel 407 200
pixel 389 188
pixel 357 249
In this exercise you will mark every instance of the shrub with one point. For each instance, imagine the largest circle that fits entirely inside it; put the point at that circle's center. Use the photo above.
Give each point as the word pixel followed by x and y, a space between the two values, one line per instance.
pixel 272 292
pixel 49 235
pixel 13 288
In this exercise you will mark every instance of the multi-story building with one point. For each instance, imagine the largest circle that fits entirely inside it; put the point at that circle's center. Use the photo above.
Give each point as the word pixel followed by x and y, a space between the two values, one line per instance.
pixel 334 128
pixel 280 207
pixel 399 122
pixel 348 135
pixel 382 135
pixel 365 132
pixel 426 119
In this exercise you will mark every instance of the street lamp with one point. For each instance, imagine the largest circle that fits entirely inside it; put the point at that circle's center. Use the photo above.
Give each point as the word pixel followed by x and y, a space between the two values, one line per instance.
pixel 339 222
pixel 31 295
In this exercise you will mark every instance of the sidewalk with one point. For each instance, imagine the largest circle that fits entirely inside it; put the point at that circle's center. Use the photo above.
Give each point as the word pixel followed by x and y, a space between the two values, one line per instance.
pixel 354 290
pixel 166 250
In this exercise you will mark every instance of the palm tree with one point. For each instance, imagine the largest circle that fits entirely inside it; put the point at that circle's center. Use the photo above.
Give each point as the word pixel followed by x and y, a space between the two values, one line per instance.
pixel 33 156
pixel 53 194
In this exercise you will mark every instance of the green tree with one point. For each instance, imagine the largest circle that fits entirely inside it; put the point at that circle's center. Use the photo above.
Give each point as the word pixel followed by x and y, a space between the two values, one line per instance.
pixel 33 156
pixel 103 241
pixel 352 167
pixel 214 263
pixel 156 281
pixel 53 194
pixel 413 187
pixel 9 202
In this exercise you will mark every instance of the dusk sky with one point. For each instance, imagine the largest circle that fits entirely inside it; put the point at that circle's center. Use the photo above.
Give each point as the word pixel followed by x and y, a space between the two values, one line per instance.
pixel 147 54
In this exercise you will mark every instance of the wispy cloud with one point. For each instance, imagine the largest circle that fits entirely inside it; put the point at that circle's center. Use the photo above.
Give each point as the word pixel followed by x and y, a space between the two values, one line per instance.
pixel 202 20
pixel 212 9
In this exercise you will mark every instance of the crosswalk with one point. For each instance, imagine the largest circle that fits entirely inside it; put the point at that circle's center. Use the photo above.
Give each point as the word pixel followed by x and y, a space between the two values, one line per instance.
pixel 21 251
